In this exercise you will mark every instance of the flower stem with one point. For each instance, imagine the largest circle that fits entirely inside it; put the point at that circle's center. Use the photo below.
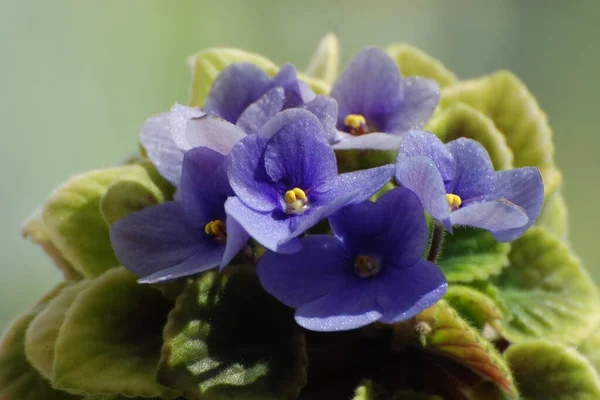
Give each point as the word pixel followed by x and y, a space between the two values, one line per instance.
pixel 436 242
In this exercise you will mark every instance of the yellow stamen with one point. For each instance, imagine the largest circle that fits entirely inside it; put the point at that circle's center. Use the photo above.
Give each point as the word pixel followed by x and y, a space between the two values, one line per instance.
pixel 365 266
pixel 216 228
pixel 296 201
pixel 454 201
pixel 356 123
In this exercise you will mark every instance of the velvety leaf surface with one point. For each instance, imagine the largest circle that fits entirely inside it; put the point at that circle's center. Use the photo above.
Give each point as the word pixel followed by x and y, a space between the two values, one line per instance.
pixel 410 395
pixel 549 294
pixel 445 333
pixel 461 120
pixel 74 220
pixel 228 339
pixel 325 62
pixel 111 338
pixel 545 370
pixel 415 62
pixel 369 391
pixel 18 379
pixel 474 306
pixel 471 254
pixel 42 334
pixel 554 217
pixel 591 348
pixel 516 113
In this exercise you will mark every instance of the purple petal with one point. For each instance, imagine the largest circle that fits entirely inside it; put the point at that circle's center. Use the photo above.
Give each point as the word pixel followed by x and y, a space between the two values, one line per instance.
pixel 261 111
pixel 475 175
pixel 497 215
pixel 420 175
pixel 357 186
pixel 371 141
pixel 157 244
pixel 159 138
pixel 234 89
pixel 325 109
pixel 295 279
pixel 369 86
pixel 247 174
pixel 296 91
pixel 237 237
pixel 420 98
pixel 405 292
pixel 273 233
pixel 525 188
pixel 423 143
pixel 210 131
pixel 297 155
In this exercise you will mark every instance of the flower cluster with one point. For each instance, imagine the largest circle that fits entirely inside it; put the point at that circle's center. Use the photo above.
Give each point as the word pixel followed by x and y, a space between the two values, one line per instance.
pixel 258 161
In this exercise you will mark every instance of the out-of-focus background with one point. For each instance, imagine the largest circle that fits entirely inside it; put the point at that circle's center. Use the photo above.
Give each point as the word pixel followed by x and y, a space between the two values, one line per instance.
pixel 77 80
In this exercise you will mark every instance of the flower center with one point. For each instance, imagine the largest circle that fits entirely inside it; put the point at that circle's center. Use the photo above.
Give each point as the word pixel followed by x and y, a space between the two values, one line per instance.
pixel 356 124
pixel 216 229
pixel 295 201
pixel 365 266
pixel 454 201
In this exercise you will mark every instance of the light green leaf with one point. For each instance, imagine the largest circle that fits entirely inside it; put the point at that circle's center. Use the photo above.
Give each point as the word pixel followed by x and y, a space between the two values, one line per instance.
pixel 125 333
pixel 207 64
pixel 471 254
pixel 549 293
pixel 461 120
pixel 591 348
pixel 474 306
pixel 546 370
pixel 516 113
pixel 324 63
pixel 445 333
pixel 415 62
pixel 369 391
pixel 42 334
pixel 228 339
pixel 18 379
pixel 554 217
pixel 318 86
pixel 74 220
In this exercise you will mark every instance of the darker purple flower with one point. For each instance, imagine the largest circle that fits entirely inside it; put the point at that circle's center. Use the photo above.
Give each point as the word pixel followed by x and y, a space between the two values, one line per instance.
pixel 457 185
pixel 285 179
pixel 376 105
pixel 186 236
pixel 370 271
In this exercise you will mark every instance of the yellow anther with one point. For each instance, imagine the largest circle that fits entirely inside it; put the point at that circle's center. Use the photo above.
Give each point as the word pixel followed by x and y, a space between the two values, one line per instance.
pixel 365 266
pixel 299 194
pixel 296 201
pixel 290 196
pixel 215 228
pixel 355 121
pixel 454 201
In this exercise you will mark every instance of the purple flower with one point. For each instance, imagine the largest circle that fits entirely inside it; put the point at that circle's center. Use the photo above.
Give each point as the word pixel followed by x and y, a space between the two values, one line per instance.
pixel 286 180
pixel 457 185
pixel 185 236
pixel 376 105
pixel 370 271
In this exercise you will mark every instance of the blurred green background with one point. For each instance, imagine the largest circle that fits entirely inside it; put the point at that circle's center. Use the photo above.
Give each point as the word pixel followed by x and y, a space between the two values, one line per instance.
pixel 78 78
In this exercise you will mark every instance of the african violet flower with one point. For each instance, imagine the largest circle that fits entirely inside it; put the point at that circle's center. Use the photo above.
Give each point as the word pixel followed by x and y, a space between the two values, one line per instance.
pixel 186 236
pixel 370 271
pixel 376 105
pixel 286 180
pixel 457 185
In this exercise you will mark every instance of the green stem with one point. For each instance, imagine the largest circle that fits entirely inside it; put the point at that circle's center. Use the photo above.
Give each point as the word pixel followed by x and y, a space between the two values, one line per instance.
pixel 436 242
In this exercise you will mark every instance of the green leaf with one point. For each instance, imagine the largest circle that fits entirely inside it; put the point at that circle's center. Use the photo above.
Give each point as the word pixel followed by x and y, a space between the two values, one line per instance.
pixel 549 293
pixel 325 62
pixel 516 113
pixel 42 334
pixel 591 348
pixel 546 370
pixel 124 333
pixel 18 379
pixel 415 62
pixel 473 305
pixel 369 391
pixel 447 334
pixel 410 395
pixel 554 217
pixel 207 64
pixel 471 254
pixel 74 220
pixel 228 339
pixel 461 120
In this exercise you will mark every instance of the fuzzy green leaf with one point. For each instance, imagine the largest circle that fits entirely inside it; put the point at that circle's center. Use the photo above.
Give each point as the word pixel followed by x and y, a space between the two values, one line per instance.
pixel 325 62
pixel 74 220
pixel 43 331
pixel 549 293
pixel 228 339
pixel 554 217
pixel 125 333
pixel 516 113
pixel 410 395
pixel 369 391
pixel 471 254
pixel 546 370
pixel 415 62
pixel 591 348
pixel 18 379
pixel 473 305
pixel 447 334
pixel 461 120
